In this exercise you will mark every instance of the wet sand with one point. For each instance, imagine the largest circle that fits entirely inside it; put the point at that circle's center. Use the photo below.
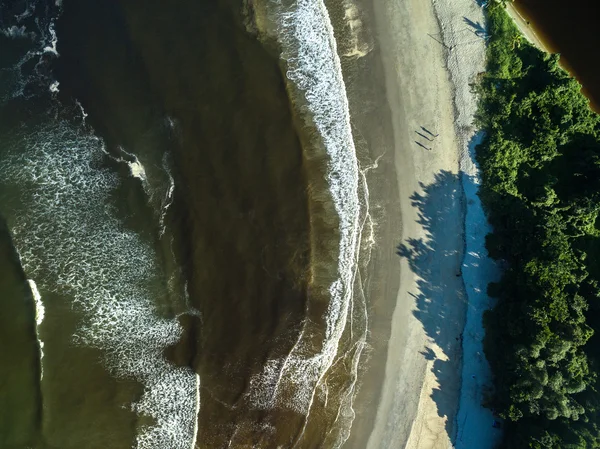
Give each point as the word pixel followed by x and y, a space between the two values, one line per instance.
pixel 361 57
pixel 431 392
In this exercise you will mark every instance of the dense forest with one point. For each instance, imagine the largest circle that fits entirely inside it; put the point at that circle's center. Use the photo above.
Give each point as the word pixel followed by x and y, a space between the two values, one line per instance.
pixel 540 167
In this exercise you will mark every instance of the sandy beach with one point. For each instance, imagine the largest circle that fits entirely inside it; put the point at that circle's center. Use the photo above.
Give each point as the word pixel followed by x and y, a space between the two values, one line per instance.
pixel 423 352
pixel 435 375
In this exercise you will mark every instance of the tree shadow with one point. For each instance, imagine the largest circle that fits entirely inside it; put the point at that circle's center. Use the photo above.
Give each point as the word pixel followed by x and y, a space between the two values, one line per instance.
pixel 478 28
pixel 440 300
pixel 428 354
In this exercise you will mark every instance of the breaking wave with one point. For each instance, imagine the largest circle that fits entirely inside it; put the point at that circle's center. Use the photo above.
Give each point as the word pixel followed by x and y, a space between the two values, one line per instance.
pixel 309 51
pixel 39 318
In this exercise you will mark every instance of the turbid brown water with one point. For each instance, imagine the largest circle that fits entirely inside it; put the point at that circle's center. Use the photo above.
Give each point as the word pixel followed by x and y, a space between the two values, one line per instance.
pixel 170 201
pixel 19 362
pixel 571 29
pixel 186 88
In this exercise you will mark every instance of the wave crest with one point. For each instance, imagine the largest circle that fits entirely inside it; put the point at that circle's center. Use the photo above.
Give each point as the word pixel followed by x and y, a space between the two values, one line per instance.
pixel 308 48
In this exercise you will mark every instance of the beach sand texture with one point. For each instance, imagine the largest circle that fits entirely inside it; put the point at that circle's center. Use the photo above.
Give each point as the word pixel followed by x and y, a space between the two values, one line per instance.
pixel 431 52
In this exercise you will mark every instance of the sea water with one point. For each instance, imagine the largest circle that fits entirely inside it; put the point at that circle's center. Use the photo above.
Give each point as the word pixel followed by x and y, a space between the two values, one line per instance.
pixel 95 280
pixel 186 200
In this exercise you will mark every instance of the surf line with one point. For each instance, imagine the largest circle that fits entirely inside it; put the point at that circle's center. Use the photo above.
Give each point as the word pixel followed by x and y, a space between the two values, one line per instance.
pixel 309 51
pixel 197 412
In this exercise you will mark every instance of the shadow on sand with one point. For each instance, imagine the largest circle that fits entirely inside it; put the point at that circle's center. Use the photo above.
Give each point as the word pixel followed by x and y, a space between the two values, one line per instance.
pixel 440 299
pixel 477 28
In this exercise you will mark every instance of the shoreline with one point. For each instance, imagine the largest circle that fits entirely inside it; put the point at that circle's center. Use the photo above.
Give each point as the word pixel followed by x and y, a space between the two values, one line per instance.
pixel 525 28
pixel 371 124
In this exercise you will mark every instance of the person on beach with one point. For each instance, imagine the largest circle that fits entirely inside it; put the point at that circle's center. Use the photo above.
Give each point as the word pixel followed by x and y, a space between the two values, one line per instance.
pixel 429 132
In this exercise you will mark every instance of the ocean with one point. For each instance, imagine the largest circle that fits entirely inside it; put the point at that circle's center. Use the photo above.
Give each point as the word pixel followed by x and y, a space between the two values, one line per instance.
pixel 184 217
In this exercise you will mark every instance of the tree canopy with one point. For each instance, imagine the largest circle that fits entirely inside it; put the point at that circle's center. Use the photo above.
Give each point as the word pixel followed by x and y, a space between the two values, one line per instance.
pixel 540 167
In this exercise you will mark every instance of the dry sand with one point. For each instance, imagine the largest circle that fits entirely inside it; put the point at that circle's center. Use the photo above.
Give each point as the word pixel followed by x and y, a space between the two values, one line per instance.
pixel 430 54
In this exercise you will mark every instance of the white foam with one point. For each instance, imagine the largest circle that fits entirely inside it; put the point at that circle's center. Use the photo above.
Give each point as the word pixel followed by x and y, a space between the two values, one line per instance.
pixel 195 433
pixel 80 106
pixel 137 170
pixel 72 244
pixel 46 42
pixel 27 13
pixel 15 32
pixel 168 198
pixel 40 311
pixel 52 47
pixel 16 80
pixel 39 318
pixel 309 49
pixel 170 122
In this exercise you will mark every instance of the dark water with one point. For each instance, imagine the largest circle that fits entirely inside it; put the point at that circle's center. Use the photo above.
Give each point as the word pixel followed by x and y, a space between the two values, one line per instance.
pixel 180 235
pixel 571 29
pixel 19 363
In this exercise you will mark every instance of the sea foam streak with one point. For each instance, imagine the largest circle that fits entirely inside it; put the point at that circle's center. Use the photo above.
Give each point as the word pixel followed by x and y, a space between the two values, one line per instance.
pixel 309 50
pixel 39 318
pixel 168 198
pixel 105 268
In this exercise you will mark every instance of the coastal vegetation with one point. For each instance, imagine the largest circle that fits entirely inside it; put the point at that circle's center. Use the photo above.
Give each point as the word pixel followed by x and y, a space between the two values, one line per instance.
pixel 540 168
